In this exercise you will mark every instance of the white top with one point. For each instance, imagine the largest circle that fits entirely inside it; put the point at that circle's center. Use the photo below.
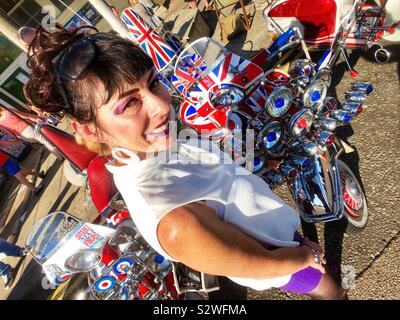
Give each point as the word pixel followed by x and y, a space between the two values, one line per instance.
pixel 189 173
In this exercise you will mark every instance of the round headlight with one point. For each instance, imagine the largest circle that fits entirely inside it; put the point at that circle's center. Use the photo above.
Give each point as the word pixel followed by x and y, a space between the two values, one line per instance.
pixel 270 137
pixel 227 96
pixel 83 261
pixel 278 102
pixel 301 68
pixel 301 122
pixel 315 94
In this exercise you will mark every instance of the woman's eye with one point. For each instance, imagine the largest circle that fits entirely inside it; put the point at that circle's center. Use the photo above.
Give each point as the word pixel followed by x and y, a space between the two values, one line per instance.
pixel 131 103
pixel 154 84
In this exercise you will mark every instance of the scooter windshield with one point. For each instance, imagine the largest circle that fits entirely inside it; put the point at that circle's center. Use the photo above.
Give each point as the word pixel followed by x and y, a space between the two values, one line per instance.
pixel 50 234
pixel 196 61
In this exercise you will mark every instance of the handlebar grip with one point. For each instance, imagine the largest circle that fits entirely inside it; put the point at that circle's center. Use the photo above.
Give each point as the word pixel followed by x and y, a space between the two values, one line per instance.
pixel 282 40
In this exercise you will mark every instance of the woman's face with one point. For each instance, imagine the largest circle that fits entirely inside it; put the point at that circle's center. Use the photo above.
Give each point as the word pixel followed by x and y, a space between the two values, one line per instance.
pixel 138 118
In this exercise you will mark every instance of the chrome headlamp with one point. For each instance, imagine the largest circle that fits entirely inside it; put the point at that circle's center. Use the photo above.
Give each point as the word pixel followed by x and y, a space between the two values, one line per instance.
pixel 315 94
pixel 301 122
pixel 278 102
pixel 83 261
pixel 300 162
pixel 227 96
pixel 353 108
pixel 270 137
pixel 356 96
pixel 341 116
pixel 366 87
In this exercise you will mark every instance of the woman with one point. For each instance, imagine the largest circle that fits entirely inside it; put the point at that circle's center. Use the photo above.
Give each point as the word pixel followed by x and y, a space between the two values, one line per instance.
pixel 216 218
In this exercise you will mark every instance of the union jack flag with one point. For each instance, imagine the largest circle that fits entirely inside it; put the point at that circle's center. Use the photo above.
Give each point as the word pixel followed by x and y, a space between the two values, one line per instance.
pixel 190 68
pixel 257 100
pixel 197 111
pixel 156 47
pixel 177 83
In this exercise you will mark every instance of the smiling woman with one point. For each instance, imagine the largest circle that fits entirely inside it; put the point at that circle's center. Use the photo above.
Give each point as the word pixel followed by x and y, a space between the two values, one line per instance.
pixel 186 202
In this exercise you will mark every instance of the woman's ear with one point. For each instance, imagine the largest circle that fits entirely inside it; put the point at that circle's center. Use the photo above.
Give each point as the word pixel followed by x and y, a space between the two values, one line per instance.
pixel 86 130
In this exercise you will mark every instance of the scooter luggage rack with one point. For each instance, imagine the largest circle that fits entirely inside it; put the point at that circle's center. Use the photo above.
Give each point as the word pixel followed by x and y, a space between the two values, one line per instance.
pixel 133 279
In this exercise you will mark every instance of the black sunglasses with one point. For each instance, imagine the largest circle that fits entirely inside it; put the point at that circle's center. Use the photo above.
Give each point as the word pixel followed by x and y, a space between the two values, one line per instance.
pixel 74 60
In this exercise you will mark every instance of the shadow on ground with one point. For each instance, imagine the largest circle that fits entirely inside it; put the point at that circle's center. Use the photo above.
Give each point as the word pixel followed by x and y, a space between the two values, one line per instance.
pixel 32 201
pixel 29 286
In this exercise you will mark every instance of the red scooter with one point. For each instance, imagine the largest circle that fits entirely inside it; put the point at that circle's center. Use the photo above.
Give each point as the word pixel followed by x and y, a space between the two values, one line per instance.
pixel 339 25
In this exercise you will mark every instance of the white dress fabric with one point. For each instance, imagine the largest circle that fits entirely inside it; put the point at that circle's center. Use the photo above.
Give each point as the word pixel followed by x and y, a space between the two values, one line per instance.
pixel 188 173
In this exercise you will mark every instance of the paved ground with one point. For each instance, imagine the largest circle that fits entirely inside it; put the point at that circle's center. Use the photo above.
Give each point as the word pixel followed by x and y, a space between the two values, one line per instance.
pixel 58 195
pixel 372 253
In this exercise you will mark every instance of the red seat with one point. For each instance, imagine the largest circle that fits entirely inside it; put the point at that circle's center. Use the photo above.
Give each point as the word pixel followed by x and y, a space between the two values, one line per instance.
pixel 76 154
pixel 101 183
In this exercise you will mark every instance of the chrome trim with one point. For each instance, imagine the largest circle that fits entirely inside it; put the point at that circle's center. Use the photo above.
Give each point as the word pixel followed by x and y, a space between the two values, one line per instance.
pixel 318 192
pixel 277 28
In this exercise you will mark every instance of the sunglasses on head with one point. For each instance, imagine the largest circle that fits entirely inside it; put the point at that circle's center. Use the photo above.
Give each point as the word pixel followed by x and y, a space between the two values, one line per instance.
pixel 72 62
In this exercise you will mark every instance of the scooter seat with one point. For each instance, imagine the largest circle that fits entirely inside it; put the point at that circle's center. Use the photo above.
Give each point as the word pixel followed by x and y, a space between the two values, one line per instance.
pixel 76 154
pixel 101 183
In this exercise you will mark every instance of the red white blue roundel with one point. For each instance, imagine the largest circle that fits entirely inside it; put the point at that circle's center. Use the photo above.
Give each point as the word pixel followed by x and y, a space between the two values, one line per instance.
pixel 104 284
pixel 122 265
pixel 235 122
pixel 62 278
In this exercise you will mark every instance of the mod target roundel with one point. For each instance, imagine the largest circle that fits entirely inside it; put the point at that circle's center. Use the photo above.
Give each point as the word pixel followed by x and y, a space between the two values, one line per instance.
pixel 122 265
pixel 105 284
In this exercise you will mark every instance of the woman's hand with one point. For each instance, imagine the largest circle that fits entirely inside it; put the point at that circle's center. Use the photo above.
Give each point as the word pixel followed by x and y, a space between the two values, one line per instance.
pixel 316 255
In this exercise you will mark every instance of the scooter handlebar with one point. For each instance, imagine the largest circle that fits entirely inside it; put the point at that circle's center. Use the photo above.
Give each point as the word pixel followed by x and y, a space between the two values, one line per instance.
pixel 282 40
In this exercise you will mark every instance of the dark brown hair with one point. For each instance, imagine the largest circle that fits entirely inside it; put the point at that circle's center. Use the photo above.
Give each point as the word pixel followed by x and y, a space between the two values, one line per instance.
pixel 118 61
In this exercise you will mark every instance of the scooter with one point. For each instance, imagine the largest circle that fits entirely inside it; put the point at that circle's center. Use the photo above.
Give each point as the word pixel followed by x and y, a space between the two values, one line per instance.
pixel 291 120
pixel 119 264
pixel 361 24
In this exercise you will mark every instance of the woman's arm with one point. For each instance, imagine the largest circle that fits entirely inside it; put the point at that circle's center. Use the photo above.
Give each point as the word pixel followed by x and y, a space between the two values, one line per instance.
pixel 195 236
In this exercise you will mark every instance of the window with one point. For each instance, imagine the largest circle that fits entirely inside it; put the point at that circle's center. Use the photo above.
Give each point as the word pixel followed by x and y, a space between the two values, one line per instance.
pixel 26 12
pixel 7 5
pixel 60 5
